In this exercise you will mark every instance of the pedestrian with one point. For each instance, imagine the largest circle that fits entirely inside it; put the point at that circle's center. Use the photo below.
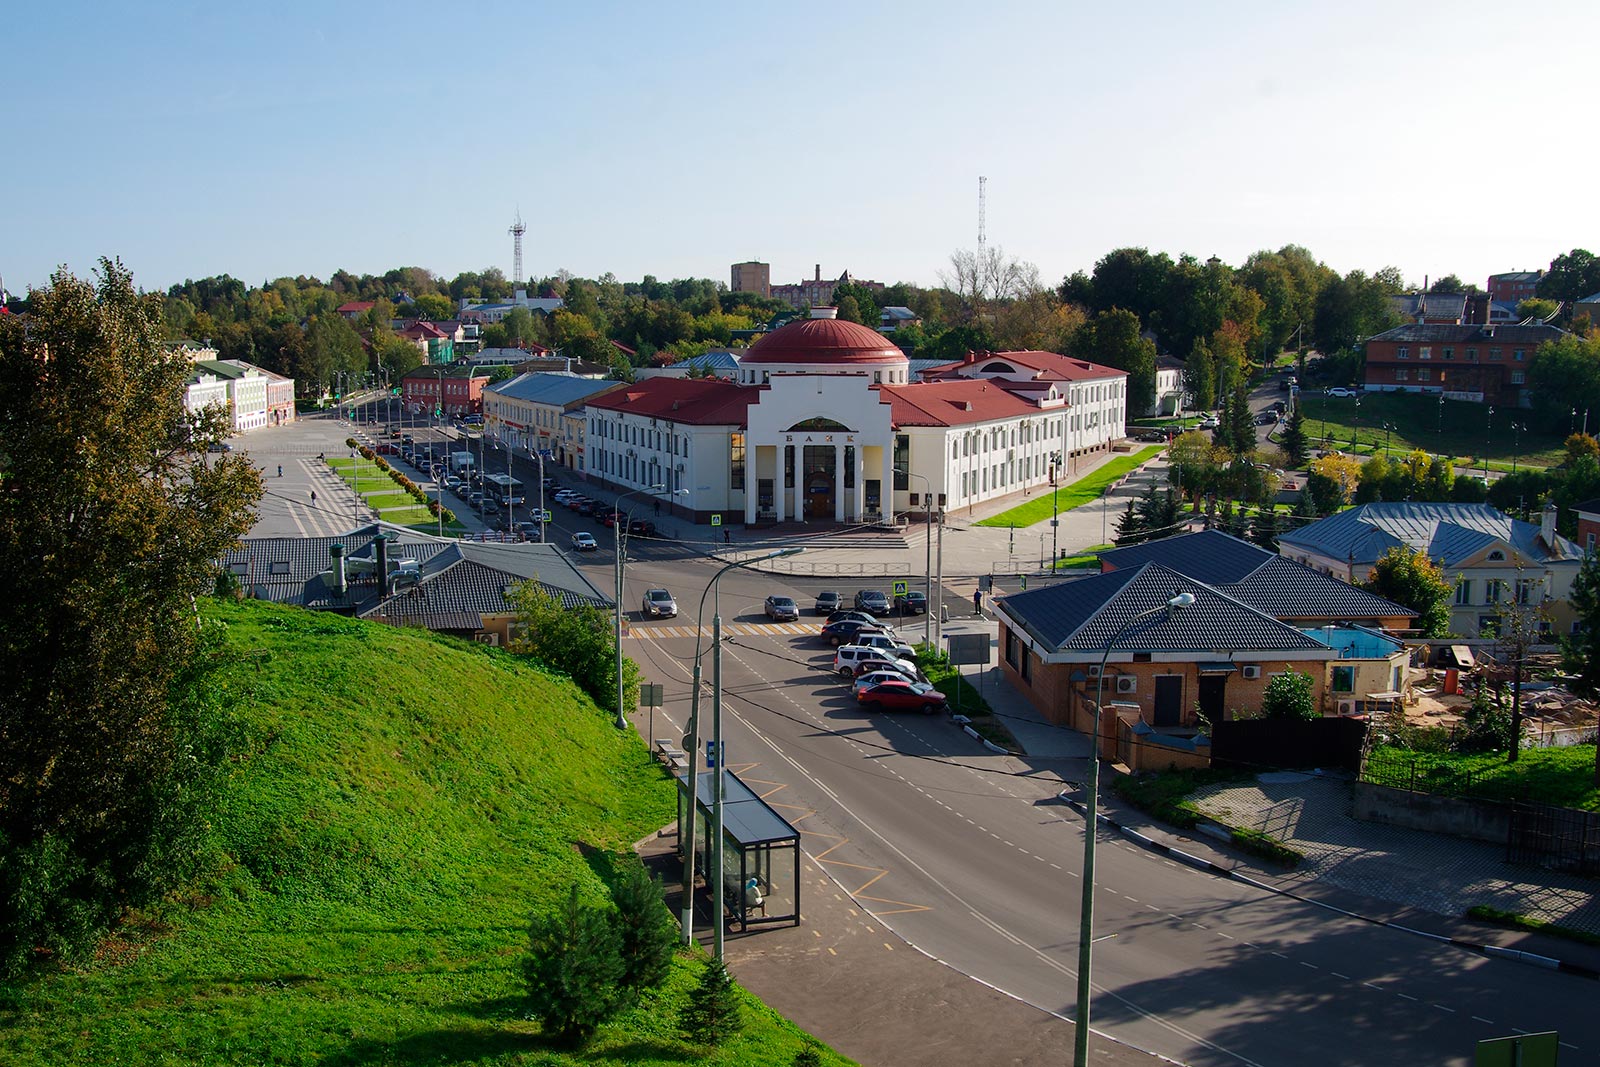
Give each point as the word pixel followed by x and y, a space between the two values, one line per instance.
pixel 977 602
pixel 280 470
pixel 313 498
pixel 727 537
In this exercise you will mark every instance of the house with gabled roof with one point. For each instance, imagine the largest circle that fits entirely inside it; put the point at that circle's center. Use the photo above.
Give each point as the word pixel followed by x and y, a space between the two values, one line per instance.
pixel 395 575
pixel 1491 559
pixel 528 413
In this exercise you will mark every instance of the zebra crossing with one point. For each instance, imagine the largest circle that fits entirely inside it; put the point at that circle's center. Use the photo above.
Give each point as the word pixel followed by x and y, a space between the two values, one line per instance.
pixel 736 629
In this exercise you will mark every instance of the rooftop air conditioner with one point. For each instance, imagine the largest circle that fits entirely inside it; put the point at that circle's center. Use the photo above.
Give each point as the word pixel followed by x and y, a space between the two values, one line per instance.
pixel 1251 672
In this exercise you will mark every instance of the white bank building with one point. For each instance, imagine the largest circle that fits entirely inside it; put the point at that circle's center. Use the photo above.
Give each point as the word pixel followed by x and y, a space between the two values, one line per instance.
pixel 823 424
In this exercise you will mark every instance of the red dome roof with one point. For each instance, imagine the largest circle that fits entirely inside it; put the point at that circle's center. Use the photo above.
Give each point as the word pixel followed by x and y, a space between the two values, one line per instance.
pixel 824 341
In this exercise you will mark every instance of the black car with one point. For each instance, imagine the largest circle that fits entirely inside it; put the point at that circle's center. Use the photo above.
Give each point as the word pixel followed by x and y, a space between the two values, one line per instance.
pixel 846 631
pixel 873 601
pixel 914 602
pixel 828 603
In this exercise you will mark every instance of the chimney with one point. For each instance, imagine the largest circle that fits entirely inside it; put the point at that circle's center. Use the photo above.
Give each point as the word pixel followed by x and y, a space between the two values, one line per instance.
pixel 824 311
pixel 341 580
pixel 1547 526
pixel 818 276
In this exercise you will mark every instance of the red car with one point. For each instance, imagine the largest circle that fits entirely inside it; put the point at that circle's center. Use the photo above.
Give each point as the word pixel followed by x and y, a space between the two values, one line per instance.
pixel 903 696
pixel 386 450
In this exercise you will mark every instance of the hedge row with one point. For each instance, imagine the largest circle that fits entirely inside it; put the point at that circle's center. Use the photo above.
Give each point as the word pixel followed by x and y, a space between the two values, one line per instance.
pixel 400 479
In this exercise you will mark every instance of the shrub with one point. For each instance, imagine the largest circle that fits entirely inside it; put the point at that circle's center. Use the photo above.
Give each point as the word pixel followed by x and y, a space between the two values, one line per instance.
pixel 1288 696
pixel 573 968
pixel 1486 726
pixel 712 1014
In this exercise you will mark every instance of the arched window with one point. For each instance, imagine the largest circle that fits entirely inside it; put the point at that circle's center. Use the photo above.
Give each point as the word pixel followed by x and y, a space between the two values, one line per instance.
pixel 1496 556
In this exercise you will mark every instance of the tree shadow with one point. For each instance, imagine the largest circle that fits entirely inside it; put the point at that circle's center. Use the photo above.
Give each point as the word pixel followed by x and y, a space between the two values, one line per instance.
pixel 441 1047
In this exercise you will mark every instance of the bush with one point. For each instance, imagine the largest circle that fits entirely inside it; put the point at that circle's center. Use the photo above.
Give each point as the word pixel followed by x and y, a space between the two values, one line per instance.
pixel 1486 726
pixel 1288 696
pixel 712 1014
pixel 573 969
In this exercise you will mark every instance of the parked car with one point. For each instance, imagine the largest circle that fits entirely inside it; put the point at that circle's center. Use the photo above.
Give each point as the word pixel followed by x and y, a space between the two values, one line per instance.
pixel 658 604
pixel 1341 390
pixel 541 515
pixel 851 613
pixel 386 449
pixel 782 609
pixel 1210 422
pixel 903 696
pixel 845 631
pixel 219 446
pixel 911 602
pixel 609 517
pixel 874 601
pixel 828 603
pixel 584 541
pixel 564 495
pixel 851 660
pixel 883 674
pixel 641 528
pixel 883 642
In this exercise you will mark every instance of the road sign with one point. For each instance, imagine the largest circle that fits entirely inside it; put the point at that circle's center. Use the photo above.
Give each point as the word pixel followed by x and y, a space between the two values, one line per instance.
pixel 900 588
pixel 1525 1050
pixel 711 754
pixel 650 694
pixel 968 648
pixel 716 520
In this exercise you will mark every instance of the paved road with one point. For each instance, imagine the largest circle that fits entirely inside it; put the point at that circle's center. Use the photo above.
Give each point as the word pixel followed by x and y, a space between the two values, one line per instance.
pixel 966 855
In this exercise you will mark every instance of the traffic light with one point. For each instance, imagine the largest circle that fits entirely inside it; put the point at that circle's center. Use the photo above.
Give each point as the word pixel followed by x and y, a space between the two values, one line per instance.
pixel 437 412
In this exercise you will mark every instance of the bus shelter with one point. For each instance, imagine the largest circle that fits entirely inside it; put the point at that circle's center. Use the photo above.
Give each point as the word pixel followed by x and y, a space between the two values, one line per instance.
pixel 761 851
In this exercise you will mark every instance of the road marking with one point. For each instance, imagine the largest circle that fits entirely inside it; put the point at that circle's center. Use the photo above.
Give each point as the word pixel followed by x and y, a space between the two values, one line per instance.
pixel 1221 934
pixel 1481 1019
pixel 1313 966
pixel 888 946
pixel 1404 996
pixel 1336 974
pixel 1441 1007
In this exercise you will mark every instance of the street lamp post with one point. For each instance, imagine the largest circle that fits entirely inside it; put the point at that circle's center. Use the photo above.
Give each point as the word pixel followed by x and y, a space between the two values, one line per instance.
pixel 616 532
pixel 1055 510
pixel 1441 423
pixel 927 524
pixel 693 744
pixel 1488 437
pixel 1080 1057
pixel 1516 446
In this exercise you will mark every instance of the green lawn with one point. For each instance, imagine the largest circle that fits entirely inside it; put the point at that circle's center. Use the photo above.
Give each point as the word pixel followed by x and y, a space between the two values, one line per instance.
pixel 1088 558
pixel 399 805
pixel 1068 497
pixel 419 518
pixel 398 498
pixel 1467 429
pixel 1560 776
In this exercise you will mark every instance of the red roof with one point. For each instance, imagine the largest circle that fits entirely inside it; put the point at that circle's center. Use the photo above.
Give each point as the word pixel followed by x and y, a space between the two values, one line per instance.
pixel 422 329
pixel 357 307
pixel 1042 364
pixel 697 401
pixel 823 341
pixel 953 403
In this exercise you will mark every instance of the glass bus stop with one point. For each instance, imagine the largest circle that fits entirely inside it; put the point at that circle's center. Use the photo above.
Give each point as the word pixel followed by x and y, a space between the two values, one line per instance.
pixel 761 851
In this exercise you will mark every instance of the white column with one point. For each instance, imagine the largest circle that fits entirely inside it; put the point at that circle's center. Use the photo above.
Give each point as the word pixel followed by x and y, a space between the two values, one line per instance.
pixel 838 483
pixel 861 481
pixel 886 499
pixel 752 481
pixel 780 496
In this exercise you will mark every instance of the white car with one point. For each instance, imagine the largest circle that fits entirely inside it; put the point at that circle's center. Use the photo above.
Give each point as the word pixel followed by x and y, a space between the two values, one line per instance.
pixel 1341 390
pixel 540 515
pixel 888 644
pixel 584 542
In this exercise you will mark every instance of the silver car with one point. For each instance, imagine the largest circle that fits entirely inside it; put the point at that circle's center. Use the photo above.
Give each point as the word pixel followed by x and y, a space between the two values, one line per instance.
pixel 658 604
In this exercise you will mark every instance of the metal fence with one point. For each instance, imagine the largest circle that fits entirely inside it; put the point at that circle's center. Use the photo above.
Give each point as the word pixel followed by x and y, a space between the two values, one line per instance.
pixel 1564 838
pixel 1422 776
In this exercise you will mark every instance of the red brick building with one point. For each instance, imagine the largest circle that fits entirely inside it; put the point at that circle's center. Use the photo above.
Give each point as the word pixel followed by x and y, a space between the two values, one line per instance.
pixel 1514 287
pixel 1472 362
pixel 457 389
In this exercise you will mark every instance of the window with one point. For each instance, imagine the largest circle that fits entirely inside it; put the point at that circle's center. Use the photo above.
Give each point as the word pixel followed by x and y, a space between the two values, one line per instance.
pixel 1491 591
pixel 1520 355
pixel 1402 374
pixel 1472 353
pixel 1011 647
pixel 1488 626
pixel 1424 374
pixel 1525 588
pixel 1588 542
pixel 1519 377
pixel 1344 679
pixel 902 460
pixel 1496 556
pixel 1494 353
pixel 1449 353
pixel 1403 353
pixel 1464 591
pixel 1425 352
pixel 736 461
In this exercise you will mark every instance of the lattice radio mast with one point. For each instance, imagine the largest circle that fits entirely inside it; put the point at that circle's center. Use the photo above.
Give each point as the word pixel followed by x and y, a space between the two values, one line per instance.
pixel 516 232
pixel 983 196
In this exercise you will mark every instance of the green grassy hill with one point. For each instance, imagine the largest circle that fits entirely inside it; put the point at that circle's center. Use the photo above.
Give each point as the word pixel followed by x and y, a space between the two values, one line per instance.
pixel 400 805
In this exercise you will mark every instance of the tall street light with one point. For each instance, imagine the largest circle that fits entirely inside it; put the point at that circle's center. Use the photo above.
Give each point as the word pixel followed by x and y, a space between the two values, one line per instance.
pixel 693 745
pixel 1055 511
pixel 1488 438
pixel 1080 1051
pixel 927 523
pixel 616 531
pixel 1516 447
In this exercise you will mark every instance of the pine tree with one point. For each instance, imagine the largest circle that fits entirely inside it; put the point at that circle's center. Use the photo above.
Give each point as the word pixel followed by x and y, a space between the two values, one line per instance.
pixel 1158 512
pixel 1130 528
pixel 808 1057
pixel 645 931
pixel 1294 439
pixel 1240 427
pixel 573 969
pixel 712 1014
pixel 1264 530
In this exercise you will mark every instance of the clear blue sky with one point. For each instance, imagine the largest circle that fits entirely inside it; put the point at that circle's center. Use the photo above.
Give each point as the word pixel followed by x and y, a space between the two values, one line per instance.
pixel 675 139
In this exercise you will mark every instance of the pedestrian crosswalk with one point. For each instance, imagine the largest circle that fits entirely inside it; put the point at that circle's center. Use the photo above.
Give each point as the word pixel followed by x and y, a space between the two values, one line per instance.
pixel 736 629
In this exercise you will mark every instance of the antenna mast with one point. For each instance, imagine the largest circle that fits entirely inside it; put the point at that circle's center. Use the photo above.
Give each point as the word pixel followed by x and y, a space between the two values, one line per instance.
pixel 983 195
pixel 516 232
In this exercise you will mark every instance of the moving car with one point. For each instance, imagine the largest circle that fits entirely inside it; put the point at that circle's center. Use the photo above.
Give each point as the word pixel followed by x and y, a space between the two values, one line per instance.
pixel 874 601
pixel 584 542
pixel 912 602
pixel 782 609
pixel 828 603
pixel 845 631
pixel 903 696
pixel 641 528
pixel 541 515
pixel 658 604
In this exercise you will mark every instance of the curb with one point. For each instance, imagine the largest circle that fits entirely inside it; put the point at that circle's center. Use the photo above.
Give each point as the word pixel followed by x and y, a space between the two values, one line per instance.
pixel 985 742
pixel 1491 951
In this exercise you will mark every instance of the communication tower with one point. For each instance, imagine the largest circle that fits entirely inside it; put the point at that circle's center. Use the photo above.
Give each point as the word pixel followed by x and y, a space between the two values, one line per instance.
pixel 983 194
pixel 516 232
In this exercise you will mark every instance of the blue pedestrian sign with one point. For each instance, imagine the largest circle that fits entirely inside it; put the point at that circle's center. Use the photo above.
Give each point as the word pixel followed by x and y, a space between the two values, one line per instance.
pixel 711 754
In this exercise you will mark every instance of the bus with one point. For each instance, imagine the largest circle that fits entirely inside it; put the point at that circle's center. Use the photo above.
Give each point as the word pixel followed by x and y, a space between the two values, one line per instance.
pixel 505 488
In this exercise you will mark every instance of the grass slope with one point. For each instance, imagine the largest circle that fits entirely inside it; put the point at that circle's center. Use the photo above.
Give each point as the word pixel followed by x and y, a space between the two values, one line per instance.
pixel 1461 429
pixel 400 806
pixel 1089 487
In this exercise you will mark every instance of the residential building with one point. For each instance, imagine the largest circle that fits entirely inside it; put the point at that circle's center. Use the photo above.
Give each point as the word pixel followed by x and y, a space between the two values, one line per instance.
pixel 891 319
pixel 194 351
pixel 1477 362
pixel 247 391
pixel 280 398
pixel 355 309
pixel 1588 526
pixel 1590 306
pixel 453 390
pixel 718 362
pixel 1169 386
pixel 752 278
pixel 435 344
pixel 823 423
pixel 484 312
pixel 1436 309
pixel 450 587
pixel 818 291
pixel 527 412
pixel 1492 560
pixel 1515 286
pixel 203 389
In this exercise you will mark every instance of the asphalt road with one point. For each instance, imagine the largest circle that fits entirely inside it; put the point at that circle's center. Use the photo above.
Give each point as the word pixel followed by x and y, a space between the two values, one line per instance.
pixel 967 855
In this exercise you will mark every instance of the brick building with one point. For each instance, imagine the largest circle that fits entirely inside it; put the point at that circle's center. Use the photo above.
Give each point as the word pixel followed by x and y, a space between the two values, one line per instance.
pixel 1516 286
pixel 457 389
pixel 752 278
pixel 1473 362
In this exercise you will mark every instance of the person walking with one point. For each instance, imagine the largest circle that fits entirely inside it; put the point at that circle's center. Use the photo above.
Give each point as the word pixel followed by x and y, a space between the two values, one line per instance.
pixel 280 470
pixel 313 498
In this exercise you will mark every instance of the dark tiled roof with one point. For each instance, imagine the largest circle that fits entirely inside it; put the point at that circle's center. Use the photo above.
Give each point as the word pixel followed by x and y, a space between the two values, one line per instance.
pixel 1444 332
pixel 1083 615
pixel 1285 589
pixel 1209 556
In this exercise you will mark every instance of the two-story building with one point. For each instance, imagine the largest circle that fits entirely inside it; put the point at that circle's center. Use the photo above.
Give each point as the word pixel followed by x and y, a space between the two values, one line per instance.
pixel 454 390
pixel 529 412
pixel 247 391
pixel 1492 560
pixel 1475 362
pixel 1515 286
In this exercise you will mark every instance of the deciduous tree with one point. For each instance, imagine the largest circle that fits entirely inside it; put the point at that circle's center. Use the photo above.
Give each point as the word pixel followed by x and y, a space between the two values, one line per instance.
pixel 1409 578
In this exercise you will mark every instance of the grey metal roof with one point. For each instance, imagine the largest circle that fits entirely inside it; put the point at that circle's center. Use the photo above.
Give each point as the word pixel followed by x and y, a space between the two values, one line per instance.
pixel 1209 556
pixel 453 584
pixel 717 359
pixel 1083 615
pixel 1445 333
pixel 1447 532
pixel 745 817
pixel 547 388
